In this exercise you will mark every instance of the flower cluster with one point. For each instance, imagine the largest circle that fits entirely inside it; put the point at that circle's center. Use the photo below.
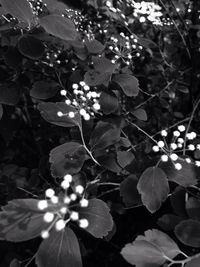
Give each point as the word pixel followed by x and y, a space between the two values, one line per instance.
pixel 37 6
pixel 180 141
pixel 85 101
pixel 61 209
pixel 124 48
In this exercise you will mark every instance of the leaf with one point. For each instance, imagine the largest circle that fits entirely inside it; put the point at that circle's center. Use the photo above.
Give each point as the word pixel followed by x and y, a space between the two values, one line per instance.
pixel 128 83
pixel 103 65
pixel 188 232
pixel 9 94
pixel 109 161
pixel 59 26
pixel 20 9
pixel 61 249
pixel 184 177
pixel 142 253
pixel 98 215
pixel 94 78
pixel 124 158
pixel 49 112
pixel 44 89
pixel 177 200
pixel 153 187
pixel 108 102
pixel 31 47
pixel 15 263
pixel 193 263
pixel 1 111
pixel 12 57
pixel 94 46
pixel 21 220
pixel 67 158
pixel 140 114
pixel 128 191
pixel 162 241
pixel 168 221
pixel 193 208
pixel 104 135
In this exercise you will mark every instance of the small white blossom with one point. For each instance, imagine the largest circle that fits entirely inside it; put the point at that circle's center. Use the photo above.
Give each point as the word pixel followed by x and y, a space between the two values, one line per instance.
pixel 42 204
pixel 173 146
pixel 65 184
pixel 59 114
pixel 96 106
pixel 54 199
pixel 87 117
pixel 73 197
pixel 198 146
pixel 164 158
pixel 155 148
pixel 48 217
pixel 63 92
pixel 84 202
pixel 178 166
pixel 74 216
pixel 180 140
pixel 164 133
pixel 83 223
pixel 176 133
pixel 161 144
pixel 181 128
pixel 45 234
pixel 197 163
pixel 188 160
pixel 174 157
pixel 71 114
pixel 191 147
pixel 49 193
pixel 60 225
pixel 79 189
pixel 75 86
pixel 68 102
pixel 68 178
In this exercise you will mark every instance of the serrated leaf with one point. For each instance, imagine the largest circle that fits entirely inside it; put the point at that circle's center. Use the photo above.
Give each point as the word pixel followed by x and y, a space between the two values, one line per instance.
pixel 188 232
pixel 153 187
pixel 104 135
pixel 21 220
pixel 67 158
pixel 49 112
pixel 124 158
pixel 94 46
pixel 20 9
pixel 128 83
pixel 193 208
pixel 142 253
pixel 108 102
pixel 98 215
pixel 44 90
pixel 184 177
pixel 31 47
pixel 128 191
pixel 59 26
pixel 162 241
pixel 61 249
pixel 140 114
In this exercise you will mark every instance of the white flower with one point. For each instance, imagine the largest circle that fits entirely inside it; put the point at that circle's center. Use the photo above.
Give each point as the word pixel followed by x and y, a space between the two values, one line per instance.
pixel 82 112
pixel 82 83
pixel 71 114
pixel 161 144
pixel 54 199
pixel 75 86
pixel 48 217
pixel 83 223
pixel 68 178
pixel 176 133
pixel 178 166
pixel 198 146
pixel 155 148
pixel 63 210
pixel 84 203
pixel 164 158
pixel 188 160
pixel 49 193
pixel 74 216
pixel 63 92
pixel 45 234
pixel 181 128
pixel 42 204
pixel 65 184
pixel 180 140
pixel 73 197
pixel 68 102
pixel 173 146
pixel 79 189
pixel 197 163
pixel 87 117
pixel 60 225
pixel 191 147
pixel 96 106
pixel 174 157
pixel 164 133
pixel 59 114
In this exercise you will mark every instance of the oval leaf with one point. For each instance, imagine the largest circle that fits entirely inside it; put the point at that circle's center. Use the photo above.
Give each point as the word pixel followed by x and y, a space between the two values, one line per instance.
pixel 20 220
pixel 59 26
pixel 124 158
pixel 49 112
pixel 108 102
pixel 140 114
pixel 9 94
pixel 20 9
pixel 188 232
pixel 31 47
pixel 94 46
pixel 153 187
pixel 44 90
pixel 193 208
pixel 61 249
pixel 128 83
pixel 98 215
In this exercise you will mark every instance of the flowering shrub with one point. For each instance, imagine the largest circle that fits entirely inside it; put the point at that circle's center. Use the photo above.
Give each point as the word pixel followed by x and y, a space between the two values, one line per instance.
pixel 99 109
